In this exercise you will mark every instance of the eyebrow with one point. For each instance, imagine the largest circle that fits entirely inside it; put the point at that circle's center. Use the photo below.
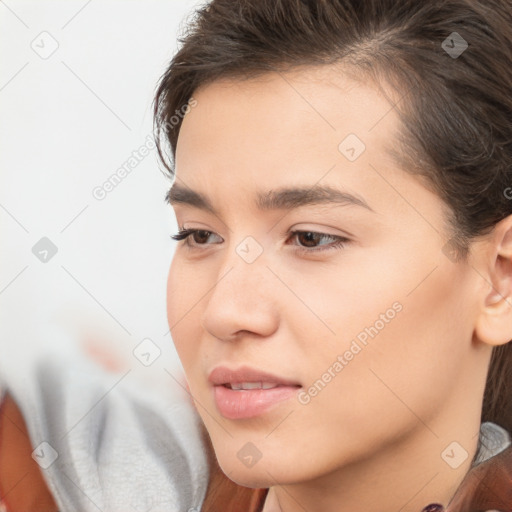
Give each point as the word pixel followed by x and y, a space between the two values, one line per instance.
pixel 280 199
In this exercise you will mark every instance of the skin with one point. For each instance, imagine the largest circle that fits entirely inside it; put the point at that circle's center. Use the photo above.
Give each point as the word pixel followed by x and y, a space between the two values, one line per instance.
pixel 372 439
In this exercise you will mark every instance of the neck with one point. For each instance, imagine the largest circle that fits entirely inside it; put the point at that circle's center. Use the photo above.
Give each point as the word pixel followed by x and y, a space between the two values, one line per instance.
pixel 423 467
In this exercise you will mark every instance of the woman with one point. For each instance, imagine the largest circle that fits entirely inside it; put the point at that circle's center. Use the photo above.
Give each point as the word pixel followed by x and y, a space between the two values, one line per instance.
pixel 341 294
pixel 342 186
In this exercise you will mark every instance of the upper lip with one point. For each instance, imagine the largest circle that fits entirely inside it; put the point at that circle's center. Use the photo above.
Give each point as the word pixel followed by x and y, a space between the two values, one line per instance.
pixel 224 375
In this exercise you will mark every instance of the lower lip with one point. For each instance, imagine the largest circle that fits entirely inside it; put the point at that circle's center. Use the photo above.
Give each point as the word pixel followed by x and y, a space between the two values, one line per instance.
pixel 247 403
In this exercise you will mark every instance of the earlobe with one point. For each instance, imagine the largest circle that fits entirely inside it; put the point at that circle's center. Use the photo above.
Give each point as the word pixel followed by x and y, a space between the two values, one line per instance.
pixel 494 323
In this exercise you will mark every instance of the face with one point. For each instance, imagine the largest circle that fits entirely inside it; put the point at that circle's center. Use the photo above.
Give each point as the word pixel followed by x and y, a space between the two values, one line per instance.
pixel 349 301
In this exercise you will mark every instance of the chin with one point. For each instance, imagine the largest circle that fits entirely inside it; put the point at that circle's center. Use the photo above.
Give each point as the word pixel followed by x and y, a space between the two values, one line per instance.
pixel 248 480
pixel 262 474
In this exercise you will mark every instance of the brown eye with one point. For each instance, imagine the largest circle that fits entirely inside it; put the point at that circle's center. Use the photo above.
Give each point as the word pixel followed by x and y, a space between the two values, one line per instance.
pixel 309 238
pixel 309 241
pixel 200 236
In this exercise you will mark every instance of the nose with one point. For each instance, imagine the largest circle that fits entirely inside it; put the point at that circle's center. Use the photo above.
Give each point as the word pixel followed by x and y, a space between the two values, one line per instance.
pixel 243 300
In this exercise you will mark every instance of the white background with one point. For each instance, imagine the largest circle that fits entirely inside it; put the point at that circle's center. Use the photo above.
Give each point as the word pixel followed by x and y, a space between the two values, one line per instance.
pixel 68 121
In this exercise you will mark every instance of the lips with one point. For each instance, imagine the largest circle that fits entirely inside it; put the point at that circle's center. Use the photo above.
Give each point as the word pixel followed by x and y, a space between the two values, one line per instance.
pixel 221 375
pixel 251 385
pixel 247 392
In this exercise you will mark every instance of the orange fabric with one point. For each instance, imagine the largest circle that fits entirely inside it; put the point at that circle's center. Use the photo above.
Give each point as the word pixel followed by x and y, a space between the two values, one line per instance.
pixel 22 486
pixel 224 495
pixel 487 486
pixel 257 500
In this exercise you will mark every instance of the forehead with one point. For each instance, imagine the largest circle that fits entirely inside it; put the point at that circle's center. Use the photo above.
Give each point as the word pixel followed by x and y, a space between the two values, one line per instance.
pixel 302 126
pixel 278 117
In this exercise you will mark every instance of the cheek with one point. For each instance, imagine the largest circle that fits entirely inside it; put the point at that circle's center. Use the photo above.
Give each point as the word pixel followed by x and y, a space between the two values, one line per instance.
pixel 174 289
pixel 413 301
pixel 402 335
pixel 182 301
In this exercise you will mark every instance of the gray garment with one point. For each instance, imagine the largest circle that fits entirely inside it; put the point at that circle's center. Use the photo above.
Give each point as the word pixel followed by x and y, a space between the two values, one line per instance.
pixel 119 450
pixel 493 440
pixel 104 445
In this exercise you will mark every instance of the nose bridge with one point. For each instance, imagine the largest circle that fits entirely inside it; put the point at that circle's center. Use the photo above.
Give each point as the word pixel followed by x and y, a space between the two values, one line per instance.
pixel 242 297
pixel 245 267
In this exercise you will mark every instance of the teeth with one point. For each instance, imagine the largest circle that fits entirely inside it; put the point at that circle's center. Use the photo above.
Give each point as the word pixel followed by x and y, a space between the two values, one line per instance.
pixel 253 385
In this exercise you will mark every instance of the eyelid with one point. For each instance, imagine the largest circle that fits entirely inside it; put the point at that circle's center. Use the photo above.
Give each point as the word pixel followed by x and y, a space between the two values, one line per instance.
pixel 340 240
pixel 185 233
pixel 322 230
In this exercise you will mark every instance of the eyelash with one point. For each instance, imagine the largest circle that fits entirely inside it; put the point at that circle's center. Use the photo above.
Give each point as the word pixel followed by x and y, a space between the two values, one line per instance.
pixel 184 234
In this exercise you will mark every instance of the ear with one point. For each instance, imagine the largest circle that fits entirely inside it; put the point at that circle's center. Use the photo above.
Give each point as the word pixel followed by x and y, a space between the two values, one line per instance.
pixel 494 323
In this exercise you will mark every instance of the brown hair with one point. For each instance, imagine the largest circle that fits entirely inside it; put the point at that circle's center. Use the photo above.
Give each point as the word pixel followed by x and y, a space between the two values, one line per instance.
pixel 455 103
